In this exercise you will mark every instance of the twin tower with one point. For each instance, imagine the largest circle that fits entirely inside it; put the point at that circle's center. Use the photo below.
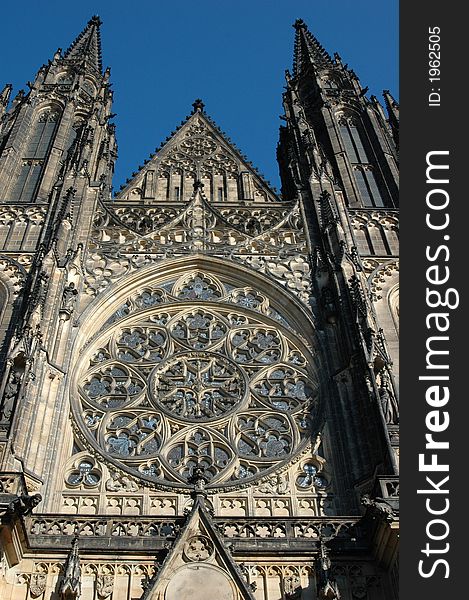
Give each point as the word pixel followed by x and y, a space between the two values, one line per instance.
pixel 199 377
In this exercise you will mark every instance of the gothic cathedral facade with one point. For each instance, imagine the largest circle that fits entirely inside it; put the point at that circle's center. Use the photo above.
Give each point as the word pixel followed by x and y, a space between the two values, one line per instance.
pixel 199 376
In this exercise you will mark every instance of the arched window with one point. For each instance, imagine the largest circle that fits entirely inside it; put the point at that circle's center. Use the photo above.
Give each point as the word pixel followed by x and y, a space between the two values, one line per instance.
pixel 65 79
pixel 34 155
pixel 365 178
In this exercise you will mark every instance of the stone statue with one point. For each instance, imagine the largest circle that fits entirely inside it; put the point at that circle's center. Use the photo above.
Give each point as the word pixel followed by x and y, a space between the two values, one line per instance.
pixel 388 402
pixel 9 396
pixel 69 297
pixel 24 504
pixel 378 506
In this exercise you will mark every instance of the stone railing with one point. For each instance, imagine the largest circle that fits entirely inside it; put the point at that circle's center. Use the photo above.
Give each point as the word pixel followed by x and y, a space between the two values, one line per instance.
pixel 123 532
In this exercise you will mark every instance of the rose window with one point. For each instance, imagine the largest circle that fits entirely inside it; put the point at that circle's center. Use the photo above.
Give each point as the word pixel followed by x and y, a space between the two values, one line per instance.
pixel 163 390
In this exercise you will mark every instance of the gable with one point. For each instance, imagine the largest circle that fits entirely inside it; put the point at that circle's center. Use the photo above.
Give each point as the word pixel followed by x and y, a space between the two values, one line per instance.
pixel 197 152
pixel 199 565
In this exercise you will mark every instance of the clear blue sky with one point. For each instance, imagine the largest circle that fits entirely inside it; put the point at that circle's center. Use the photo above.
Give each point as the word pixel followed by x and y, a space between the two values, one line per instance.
pixel 232 54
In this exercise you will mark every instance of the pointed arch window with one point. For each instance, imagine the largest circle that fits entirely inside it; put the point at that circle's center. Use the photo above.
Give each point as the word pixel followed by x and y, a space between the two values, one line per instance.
pixel 361 162
pixel 35 153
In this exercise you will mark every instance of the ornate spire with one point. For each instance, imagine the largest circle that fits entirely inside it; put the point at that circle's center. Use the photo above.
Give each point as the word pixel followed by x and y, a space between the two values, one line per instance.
pixel 70 588
pixel 308 50
pixel 5 98
pixel 5 94
pixel 392 106
pixel 87 46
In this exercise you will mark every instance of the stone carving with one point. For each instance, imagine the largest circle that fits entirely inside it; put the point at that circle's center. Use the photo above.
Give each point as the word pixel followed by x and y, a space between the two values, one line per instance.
pixel 387 399
pixel 22 214
pixel 198 548
pixel 83 473
pixel 24 504
pixel 69 297
pixel 327 585
pixel 10 394
pixel 378 507
pixel 121 483
pixel 14 272
pixel 70 586
pixel 277 484
pixel 378 278
pixel 37 584
pixel 104 586
pixel 198 386
pixel 292 587
pixel 197 286
pixel 199 227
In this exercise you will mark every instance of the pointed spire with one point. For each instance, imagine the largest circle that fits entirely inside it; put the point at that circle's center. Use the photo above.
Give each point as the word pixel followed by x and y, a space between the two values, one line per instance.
pixel 392 106
pixel 87 46
pixel 308 49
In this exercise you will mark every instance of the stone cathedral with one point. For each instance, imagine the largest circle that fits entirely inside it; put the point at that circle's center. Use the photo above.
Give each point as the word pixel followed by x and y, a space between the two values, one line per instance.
pixel 198 392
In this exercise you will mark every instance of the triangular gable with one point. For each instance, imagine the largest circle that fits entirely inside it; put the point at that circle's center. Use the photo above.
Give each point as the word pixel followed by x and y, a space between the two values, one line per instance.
pixel 198 566
pixel 197 151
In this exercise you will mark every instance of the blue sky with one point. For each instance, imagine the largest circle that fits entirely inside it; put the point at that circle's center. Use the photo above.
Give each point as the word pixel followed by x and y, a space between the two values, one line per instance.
pixel 232 54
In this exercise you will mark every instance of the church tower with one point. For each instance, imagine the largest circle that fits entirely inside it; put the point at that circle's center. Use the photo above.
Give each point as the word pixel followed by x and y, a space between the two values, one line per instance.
pixel 199 377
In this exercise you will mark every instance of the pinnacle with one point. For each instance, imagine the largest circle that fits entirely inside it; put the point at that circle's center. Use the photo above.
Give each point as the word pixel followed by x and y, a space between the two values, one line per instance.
pixel 308 50
pixel 299 24
pixel 95 20
pixel 87 45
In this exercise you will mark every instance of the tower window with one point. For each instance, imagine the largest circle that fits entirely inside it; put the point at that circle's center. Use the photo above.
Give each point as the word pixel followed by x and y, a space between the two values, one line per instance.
pixel 364 176
pixel 35 153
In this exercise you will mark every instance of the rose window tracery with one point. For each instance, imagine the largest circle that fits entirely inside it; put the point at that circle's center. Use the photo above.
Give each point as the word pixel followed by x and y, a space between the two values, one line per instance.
pixel 161 392
pixel 198 386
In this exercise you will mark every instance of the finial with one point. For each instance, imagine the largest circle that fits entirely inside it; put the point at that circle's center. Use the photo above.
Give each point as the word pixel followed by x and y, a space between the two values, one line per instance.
pixel 5 94
pixel 198 106
pixel 199 480
pixel 300 24
pixel 95 20
pixel 70 587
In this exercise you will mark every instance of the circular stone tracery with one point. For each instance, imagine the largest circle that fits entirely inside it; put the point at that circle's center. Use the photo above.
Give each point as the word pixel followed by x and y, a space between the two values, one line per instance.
pixel 165 390
pixel 199 386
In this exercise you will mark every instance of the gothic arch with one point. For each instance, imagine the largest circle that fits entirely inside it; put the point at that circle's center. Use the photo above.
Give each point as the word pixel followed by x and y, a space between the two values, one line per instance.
pixel 237 275
pixel 35 149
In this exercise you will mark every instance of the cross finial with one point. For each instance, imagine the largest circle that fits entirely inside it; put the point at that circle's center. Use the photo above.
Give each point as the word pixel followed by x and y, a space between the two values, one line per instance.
pixel 95 20
pixel 300 24
pixel 198 106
